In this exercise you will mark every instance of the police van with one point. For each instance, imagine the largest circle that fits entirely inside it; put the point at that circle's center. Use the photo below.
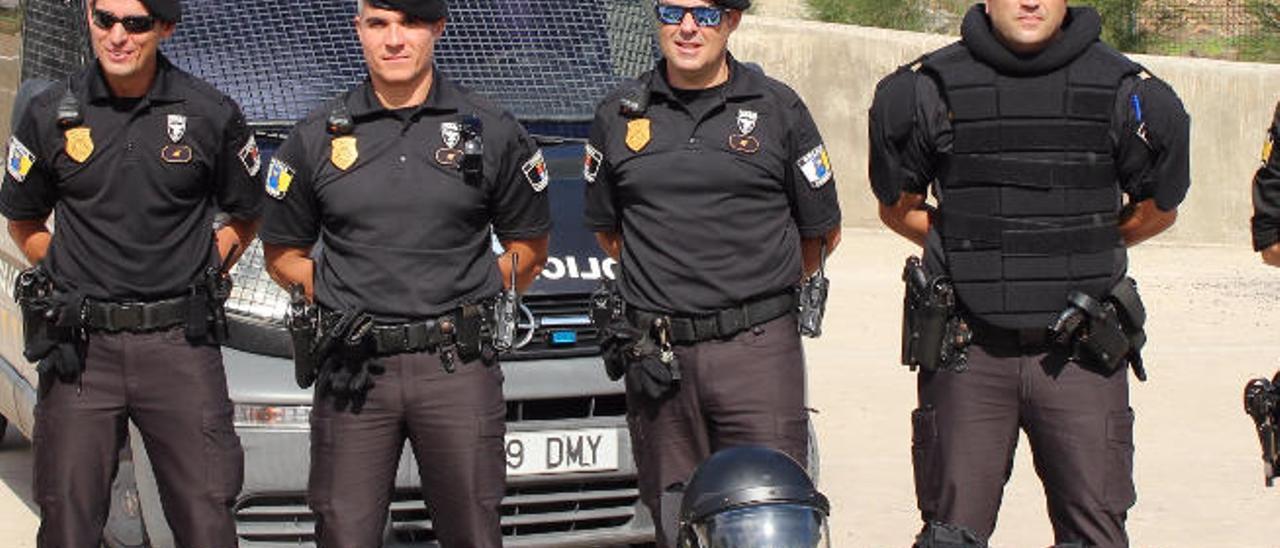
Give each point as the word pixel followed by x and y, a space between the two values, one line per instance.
pixel 570 477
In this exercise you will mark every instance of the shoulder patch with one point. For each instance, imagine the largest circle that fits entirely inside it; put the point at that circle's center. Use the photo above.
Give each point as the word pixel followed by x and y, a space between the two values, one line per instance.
pixel 816 166
pixel 279 177
pixel 1267 148
pixel 535 171
pixel 250 156
pixel 591 163
pixel 20 160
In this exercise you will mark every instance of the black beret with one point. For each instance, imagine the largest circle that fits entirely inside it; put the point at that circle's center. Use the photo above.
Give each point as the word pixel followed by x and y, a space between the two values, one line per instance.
pixel 164 10
pixel 427 10
pixel 734 4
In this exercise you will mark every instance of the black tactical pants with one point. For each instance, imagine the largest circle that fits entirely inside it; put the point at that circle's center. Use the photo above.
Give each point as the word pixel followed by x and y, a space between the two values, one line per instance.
pixel 1079 425
pixel 177 396
pixel 455 423
pixel 748 390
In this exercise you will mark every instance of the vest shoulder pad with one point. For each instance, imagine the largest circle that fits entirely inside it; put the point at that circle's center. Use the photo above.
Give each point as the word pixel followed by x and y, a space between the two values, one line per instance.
pixel 894 104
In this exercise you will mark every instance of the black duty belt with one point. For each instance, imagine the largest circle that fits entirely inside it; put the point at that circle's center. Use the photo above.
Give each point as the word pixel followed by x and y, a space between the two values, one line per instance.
pixel 409 337
pixel 1031 338
pixel 135 316
pixel 723 323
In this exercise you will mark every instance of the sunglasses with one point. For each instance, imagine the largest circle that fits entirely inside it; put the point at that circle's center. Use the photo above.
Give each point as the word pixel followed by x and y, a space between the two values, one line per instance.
pixel 704 16
pixel 133 24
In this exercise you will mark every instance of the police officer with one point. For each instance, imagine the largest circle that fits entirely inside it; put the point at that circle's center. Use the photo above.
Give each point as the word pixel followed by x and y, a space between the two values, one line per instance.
pixel 400 180
pixel 1048 154
pixel 135 156
pixel 1266 198
pixel 710 184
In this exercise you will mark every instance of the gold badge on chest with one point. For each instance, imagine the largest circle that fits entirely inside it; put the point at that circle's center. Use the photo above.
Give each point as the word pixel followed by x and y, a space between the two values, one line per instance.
pixel 638 134
pixel 345 152
pixel 79 143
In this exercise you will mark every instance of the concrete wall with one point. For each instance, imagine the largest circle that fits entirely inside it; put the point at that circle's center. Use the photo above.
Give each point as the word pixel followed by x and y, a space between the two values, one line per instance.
pixel 835 68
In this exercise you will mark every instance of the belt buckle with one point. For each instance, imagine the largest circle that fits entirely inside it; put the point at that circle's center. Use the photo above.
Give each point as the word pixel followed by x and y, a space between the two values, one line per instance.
pixel 126 315
pixel 730 321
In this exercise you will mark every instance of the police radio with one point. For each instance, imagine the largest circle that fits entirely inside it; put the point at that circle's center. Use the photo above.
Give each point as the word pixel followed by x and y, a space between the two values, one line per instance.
pixel 813 298
pixel 504 312
pixel 472 149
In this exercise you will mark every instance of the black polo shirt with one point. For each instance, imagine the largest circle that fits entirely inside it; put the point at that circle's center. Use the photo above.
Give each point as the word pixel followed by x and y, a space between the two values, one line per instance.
pixel 134 187
pixel 404 235
pixel 711 207
pixel 1266 191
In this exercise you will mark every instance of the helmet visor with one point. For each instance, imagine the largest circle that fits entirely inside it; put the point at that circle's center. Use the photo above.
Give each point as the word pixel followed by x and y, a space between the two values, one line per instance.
pixel 771 526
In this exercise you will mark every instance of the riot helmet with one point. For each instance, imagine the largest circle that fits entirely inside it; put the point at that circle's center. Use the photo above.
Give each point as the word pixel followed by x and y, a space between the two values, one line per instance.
pixel 752 497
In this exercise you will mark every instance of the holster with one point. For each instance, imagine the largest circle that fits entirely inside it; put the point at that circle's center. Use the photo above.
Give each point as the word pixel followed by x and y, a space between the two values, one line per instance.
pixel 1262 404
pixel 303 321
pixel 52 331
pixel 608 315
pixel 206 314
pixel 934 336
pixel 1106 334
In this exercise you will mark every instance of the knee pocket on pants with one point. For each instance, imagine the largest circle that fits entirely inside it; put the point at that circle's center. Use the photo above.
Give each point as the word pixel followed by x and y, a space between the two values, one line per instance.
pixel 224 457
pixel 1119 493
pixel 924 457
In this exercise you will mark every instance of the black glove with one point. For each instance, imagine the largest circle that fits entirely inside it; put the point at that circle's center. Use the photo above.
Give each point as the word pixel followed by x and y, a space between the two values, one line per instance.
pixel 616 343
pixel 646 373
pixel 347 377
pixel 346 361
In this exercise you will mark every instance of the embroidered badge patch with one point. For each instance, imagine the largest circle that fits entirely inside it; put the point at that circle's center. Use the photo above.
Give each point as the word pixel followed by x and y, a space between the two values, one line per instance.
pixel 176 154
pixel 177 127
pixel 816 166
pixel 279 177
pixel 591 164
pixel 251 157
pixel 1267 148
pixel 535 170
pixel 451 134
pixel 20 160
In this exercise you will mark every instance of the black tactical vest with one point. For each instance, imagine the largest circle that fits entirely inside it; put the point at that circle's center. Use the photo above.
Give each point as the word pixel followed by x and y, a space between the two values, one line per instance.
pixel 1029 197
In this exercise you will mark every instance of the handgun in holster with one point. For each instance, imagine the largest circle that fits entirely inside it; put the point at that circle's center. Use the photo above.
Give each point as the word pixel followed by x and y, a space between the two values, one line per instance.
pixel 53 335
pixel 303 321
pixel 1104 334
pixel 1262 404
pixel 934 335
pixel 813 298
pixel 607 316
pixel 206 313
pixel 505 312
pixel 34 293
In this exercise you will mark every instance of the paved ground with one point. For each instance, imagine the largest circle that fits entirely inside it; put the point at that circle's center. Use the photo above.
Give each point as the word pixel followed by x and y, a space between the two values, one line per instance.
pixel 1199 477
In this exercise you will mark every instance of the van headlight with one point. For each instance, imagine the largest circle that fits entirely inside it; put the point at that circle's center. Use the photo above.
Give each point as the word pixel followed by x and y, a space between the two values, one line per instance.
pixel 272 416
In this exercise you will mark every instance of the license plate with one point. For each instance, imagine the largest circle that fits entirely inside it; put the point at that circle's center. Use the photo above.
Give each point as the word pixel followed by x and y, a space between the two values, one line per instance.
pixel 561 451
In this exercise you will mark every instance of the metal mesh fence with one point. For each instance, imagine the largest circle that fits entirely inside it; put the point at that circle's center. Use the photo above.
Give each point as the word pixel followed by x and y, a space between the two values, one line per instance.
pixel 544 60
